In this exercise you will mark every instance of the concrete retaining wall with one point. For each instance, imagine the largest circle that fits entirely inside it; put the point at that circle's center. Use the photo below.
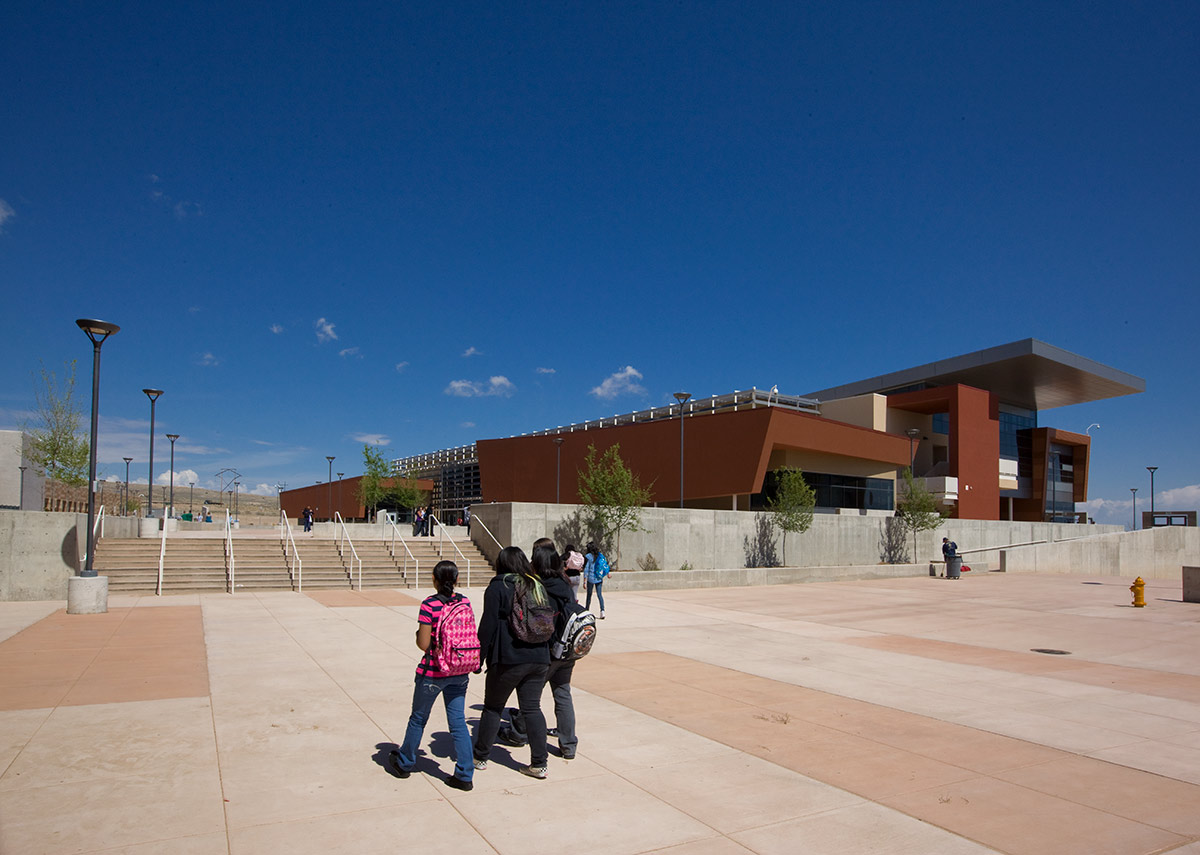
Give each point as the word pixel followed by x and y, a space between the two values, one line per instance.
pixel 1156 553
pixel 669 580
pixel 38 553
pixel 729 539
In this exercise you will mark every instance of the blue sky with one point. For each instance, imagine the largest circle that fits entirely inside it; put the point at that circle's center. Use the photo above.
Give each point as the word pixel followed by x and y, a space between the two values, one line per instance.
pixel 422 224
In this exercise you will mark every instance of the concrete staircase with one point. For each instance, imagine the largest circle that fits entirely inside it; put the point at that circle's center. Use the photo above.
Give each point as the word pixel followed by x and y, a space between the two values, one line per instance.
pixel 197 564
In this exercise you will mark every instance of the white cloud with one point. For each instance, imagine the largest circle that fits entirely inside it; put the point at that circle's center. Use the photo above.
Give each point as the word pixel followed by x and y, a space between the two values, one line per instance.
pixel 624 382
pixel 184 209
pixel 372 438
pixel 262 490
pixel 6 214
pixel 182 478
pixel 545 371
pixel 349 351
pixel 472 351
pixel 194 310
pixel 1178 499
pixel 498 385
pixel 324 330
pixel 276 328
pixel 400 366
pixel 208 360
pixel 467 424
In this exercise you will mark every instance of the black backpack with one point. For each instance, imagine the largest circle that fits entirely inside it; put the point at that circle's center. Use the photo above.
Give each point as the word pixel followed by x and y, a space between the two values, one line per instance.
pixel 532 616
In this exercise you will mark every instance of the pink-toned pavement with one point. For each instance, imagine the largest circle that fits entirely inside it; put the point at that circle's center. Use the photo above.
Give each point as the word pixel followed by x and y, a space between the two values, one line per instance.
pixel 898 716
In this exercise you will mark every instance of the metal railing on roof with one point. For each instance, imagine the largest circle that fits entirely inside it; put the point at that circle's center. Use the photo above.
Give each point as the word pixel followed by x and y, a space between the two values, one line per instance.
pixel 749 399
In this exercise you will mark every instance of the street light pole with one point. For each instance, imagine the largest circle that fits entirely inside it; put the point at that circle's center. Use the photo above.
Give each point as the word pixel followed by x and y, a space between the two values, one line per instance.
pixel 191 493
pixel 330 459
pixel 152 394
pixel 1152 470
pixel 125 510
pixel 340 474
pixel 682 398
pixel 21 496
pixel 1134 491
pixel 558 441
pixel 913 433
pixel 97 331
pixel 171 501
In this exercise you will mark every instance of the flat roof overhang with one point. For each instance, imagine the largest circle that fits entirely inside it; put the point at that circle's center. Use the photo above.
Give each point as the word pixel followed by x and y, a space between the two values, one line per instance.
pixel 1027 373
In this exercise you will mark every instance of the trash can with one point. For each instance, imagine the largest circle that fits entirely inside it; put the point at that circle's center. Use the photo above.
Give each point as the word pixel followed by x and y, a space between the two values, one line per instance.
pixel 954 567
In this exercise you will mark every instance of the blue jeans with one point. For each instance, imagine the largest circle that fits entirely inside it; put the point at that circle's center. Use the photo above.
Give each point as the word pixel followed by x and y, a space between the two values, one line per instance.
pixel 599 589
pixel 454 692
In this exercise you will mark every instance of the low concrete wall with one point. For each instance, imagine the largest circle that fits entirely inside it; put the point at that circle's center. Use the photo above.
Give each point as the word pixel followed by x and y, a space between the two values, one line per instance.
pixel 1156 553
pixel 708 540
pixel 670 580
pixel 39 552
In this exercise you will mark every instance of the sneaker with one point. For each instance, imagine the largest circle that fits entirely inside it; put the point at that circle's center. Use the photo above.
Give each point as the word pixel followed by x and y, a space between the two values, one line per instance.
pixel 602 614
pixel 480 765
pixel 394 762
pixel 459 784
pixel 534 771
pixel 552 731
pixel 567 755
pixel 507 737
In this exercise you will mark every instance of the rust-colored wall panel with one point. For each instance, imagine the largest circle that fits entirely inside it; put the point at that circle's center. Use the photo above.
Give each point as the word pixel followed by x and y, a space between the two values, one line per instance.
pixel 317 497
pixel 724 454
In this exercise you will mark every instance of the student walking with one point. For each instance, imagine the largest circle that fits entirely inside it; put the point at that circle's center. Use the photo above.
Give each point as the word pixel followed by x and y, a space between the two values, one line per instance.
pixel 512 664
pixel 572 560
pixel 595 571
pixel 446 632
pixel 547 564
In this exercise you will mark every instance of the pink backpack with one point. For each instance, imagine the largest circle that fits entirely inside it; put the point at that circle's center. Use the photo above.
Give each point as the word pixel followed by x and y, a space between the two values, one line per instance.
pixel 455 647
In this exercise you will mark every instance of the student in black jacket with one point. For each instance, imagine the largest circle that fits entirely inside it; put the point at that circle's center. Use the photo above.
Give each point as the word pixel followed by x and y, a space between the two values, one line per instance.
pixel 548 566
pixel 511 664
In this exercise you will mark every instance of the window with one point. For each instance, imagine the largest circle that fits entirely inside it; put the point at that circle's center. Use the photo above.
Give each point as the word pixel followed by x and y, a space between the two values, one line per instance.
pixel 837 491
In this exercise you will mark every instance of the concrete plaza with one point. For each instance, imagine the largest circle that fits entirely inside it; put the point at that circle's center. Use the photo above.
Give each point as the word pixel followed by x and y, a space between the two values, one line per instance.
pixel 892 716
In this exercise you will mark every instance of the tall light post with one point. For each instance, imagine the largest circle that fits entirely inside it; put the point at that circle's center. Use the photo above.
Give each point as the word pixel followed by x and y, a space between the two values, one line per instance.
pixel 191 494
pixel 97 331
pixel 558 441
pixel 330 458
pixel 1151 470
pixel 1089 430
pixel 21 495
pixel 1134 491
pixel 153 395
pixel 171 501
pixel 237 495
pixel 340 474
pixel 913 433
pixel 127 460
pixel 682 398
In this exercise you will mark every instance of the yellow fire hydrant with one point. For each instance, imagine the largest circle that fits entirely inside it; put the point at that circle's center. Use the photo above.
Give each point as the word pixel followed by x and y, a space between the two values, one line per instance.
pixel 1139 593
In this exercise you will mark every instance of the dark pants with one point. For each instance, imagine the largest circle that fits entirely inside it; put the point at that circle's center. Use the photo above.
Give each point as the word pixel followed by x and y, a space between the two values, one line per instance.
pixel 528 680
pixel 559 678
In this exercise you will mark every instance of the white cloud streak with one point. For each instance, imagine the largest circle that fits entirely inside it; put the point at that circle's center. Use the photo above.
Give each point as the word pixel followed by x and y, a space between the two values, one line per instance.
pixel 349 351
pixel 623 382
pixel 496 386
pixel 400 366
pixel 276 328
pixel 6 214
pixel 472 351
pixel 208 360
pixel 324 330
pixel 372 438
pixel 545 371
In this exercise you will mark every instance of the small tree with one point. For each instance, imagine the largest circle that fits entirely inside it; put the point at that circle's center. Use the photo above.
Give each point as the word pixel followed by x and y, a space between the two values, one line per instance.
pixel 916 508
pixel 58 449
pixel 792 505
pixel 613 494
pixel 378 487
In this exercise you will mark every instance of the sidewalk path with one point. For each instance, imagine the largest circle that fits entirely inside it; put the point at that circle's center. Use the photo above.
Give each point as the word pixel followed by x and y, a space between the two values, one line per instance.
pixel 893 716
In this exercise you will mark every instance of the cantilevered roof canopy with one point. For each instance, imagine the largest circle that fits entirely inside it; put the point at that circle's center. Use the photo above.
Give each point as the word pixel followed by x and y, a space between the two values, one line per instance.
pixel 1028 373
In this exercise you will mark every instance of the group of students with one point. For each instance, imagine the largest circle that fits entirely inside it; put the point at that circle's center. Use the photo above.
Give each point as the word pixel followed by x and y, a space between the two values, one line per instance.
pixel 422 519
pixel 513 664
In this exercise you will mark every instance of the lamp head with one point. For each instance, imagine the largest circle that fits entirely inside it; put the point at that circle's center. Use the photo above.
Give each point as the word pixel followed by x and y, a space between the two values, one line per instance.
pixel 330 458
pixel 913 433
pixel 152 394
pixel 97 331
pixel 558 440
pixel 1151 468
pixel 172 437
pixel 682 397
pixel 127 459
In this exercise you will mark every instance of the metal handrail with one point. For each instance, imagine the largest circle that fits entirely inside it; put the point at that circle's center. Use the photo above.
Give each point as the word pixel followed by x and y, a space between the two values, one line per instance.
pixel 95 526
pixel 476 521
pixel 294 564
pixel 162 556
pixel 441 535
pixel 392 550
pixel 229 562
pixel 345 536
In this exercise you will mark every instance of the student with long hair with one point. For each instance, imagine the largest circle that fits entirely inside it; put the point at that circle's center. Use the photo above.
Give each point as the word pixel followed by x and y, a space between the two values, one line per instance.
pixel 431 681
pixel 548 566
pixel 512 664
pixel 595 571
